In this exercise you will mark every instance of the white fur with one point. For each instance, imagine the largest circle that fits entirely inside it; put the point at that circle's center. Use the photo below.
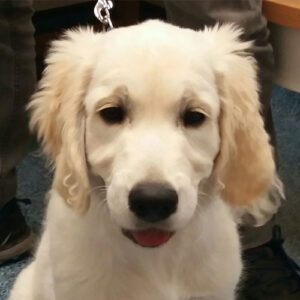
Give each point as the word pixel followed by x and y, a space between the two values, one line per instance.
pixel 155 70
pixel 87 259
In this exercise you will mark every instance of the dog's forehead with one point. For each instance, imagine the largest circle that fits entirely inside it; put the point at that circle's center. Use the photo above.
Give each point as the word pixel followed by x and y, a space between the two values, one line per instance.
pixel 153 60
pixel 150 47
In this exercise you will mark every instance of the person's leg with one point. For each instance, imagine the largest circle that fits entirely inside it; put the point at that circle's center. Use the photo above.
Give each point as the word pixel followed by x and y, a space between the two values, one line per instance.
pixel 17 81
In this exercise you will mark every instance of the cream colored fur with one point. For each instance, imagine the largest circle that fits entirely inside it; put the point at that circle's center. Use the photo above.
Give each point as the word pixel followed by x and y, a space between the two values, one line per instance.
pixel 155 71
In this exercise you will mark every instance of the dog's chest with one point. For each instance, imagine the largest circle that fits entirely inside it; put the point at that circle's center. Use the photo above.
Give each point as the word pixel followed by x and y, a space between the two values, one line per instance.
pixel 112 280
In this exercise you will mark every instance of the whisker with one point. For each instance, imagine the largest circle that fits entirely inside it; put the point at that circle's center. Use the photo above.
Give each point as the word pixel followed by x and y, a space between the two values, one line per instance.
pixel 204 195
pixel 102 203
pixel 99 188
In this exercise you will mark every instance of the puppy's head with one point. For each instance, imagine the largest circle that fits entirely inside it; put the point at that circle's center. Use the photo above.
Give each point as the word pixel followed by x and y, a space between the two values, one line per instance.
pixel 154 112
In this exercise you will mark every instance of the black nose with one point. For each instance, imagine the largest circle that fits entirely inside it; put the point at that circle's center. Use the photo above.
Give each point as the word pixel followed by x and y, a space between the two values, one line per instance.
pixel 153 202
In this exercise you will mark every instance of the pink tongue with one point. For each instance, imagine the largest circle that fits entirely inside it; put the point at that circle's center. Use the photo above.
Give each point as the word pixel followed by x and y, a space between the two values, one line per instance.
pixel 151 237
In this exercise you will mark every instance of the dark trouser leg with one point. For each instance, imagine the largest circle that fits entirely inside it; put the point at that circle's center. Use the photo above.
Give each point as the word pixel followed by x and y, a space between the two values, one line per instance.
pixel 247 14
pixel 17 81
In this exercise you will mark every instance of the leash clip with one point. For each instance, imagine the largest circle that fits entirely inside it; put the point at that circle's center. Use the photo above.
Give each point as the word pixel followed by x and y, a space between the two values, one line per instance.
pixel 102 13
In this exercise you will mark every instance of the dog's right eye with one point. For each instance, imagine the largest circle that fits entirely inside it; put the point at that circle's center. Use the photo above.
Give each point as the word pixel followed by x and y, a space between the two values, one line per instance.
pixel 112 115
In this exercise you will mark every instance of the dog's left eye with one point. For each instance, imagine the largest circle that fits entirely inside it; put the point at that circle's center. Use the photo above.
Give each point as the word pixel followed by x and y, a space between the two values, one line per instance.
pixel 112 115
pixel 193 118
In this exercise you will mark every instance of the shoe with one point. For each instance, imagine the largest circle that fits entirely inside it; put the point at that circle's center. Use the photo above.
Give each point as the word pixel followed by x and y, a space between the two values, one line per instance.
pixel 16 237
pixel 269 273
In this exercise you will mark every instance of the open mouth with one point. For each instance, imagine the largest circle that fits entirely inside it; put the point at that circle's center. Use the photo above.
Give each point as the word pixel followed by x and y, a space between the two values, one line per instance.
pixel 150 237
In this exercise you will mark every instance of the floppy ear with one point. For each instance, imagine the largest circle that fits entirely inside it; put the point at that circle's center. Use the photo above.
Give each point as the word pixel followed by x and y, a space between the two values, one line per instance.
pixel 58 114
pixel 245 164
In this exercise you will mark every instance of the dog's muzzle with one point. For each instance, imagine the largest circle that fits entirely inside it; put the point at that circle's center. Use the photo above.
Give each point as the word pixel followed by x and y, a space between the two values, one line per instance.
pixel 151 203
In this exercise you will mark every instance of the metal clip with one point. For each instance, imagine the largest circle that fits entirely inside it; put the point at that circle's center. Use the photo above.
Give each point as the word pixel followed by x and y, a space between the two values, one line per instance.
pixel 101 12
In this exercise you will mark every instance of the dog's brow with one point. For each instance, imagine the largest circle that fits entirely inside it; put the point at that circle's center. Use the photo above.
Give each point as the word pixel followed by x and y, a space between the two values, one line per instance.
pixel 118 96
pixel 190 98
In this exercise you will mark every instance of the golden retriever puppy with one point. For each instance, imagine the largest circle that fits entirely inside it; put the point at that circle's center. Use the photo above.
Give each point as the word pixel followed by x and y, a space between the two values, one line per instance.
pixel 155 133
